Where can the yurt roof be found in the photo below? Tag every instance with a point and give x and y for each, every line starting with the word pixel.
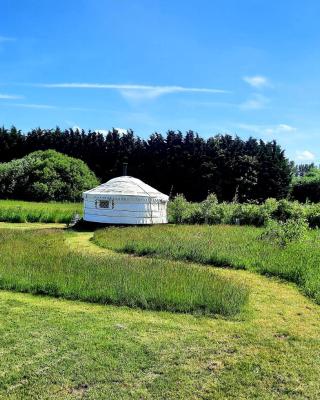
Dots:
pixel 126 186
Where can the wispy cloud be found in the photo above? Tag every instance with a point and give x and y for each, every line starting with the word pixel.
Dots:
pixel 46 106
pixel 255 102
pixel 257 81
pixel 10 96
pixel 135 92
pixel 6 39
pixel 267 130
pixel 30 105
pixel 281 128
pixel 305 155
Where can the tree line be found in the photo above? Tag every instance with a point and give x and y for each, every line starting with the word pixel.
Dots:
pixel 230 167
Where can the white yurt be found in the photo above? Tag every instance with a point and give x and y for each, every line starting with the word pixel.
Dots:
pixel 125 200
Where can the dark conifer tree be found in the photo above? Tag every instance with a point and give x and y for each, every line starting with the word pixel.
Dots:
pixel 249 170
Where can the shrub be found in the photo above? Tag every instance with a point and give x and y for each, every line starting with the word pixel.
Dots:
pixel 286 209
pixel 250 214
pixel 282 233
pixel 307 187
pixel 208 207
pixel 211 212
pixel 312 212
pixel 179 209
pixel 45 176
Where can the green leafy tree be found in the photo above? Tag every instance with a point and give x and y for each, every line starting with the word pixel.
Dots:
pixel 45 176
pixel 307 187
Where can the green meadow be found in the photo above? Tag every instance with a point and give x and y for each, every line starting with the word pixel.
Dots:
pixel 40 262
pixel 234 334
pixel 225 246
pixel 27 211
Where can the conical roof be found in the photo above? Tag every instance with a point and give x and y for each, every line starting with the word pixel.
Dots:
pixel 127 186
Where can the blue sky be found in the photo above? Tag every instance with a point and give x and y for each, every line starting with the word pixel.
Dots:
pixel 242 67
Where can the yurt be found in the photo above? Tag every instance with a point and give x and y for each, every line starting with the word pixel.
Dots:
pixel 125 200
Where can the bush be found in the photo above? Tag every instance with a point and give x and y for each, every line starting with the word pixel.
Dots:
pixel 307 187
pixel 250 214
pixel 282 233
pixel 312 212
pixel 45 176
pixel 286 209
pixel 211 212
pixel 208 208
pixel 179 209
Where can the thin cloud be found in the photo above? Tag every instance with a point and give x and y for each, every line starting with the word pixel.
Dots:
pixel 30 105
pixel 256 102
pixel 48 106
pixel 257 81
pixel 305 155
pixel 134 92
pixel 4 39
pixel 10 96
pixel 281 128
pixel 267 130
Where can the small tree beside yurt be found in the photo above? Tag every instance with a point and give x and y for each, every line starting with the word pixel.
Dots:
pixel 45 176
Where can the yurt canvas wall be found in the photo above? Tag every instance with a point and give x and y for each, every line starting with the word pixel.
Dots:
pixel 125 200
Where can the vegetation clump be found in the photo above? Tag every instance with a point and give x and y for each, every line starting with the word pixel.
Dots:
pixel 45 176
pixel 283 233
pixel 307 187
pixel 211 212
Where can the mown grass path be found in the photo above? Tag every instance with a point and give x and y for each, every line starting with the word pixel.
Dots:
pixel 273 302
pixel 58 349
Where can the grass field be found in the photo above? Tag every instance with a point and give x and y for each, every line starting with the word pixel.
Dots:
pixel 63 349
pixel 58 349
pixel 25 211
pixel 222 245
pixel 40 262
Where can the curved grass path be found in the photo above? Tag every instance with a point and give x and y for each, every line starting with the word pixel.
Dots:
pixel 57 349
pixel 272 302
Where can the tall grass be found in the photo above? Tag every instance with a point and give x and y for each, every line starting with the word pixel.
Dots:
pixel 40 262
pixel 222 245
pixel 23 211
